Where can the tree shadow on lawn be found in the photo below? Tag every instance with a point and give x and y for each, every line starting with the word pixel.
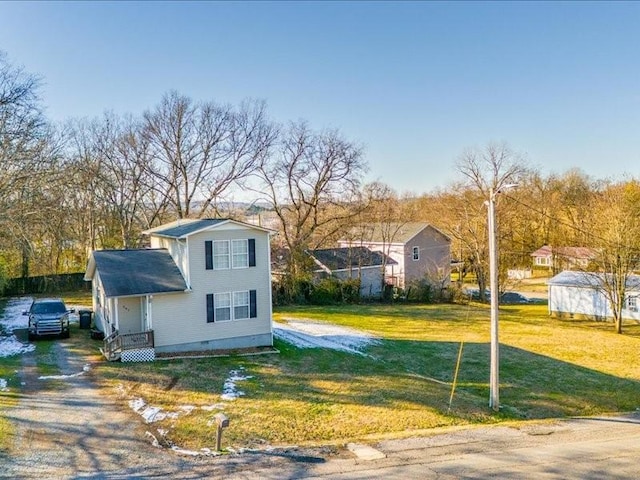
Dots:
pixel 320 394
pixel 420 373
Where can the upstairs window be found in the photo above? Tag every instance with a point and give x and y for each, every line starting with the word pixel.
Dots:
pixel 225 254
pixel 416 253
pixel 240 253
pixel 543 261
pixel 221 259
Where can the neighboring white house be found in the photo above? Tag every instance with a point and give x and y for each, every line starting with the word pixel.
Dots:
pixel 580 295
pixel 419 250
pixel 353 262
pixel 204 285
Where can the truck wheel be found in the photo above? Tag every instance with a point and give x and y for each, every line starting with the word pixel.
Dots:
pixel 32 337
pixel 66 334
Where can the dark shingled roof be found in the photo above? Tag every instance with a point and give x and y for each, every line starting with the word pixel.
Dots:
pixel 343 258
pixel 188 228
pixel 138 272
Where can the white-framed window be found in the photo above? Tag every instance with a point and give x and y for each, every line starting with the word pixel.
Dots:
pixel 543 261
pixel 240 305
pixel 632 303
pixel 416 253
pixel 221 260
pixel 240 253
pixel 227 306
pixel 222 302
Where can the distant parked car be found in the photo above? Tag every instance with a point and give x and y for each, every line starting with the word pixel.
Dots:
pixel 505 298
pixel 514 297
pixel 474 293
pixel 48 316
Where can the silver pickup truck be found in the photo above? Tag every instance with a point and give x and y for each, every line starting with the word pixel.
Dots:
pixel 48 316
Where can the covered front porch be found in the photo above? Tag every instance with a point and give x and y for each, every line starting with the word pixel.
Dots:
pixel 128 329
pixel 129 347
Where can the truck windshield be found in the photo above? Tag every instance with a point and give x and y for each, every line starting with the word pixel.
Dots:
pixel 49 307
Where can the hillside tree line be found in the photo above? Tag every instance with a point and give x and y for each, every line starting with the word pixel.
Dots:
pixel 88 184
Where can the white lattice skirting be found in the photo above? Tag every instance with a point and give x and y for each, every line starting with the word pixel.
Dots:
pixel 142 355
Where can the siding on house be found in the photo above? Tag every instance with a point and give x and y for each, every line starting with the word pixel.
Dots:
pixel 397 241
pixel 174 302
pixel 178 251
pixel 182 320
pixel 576 294
pixel 434 256
pixel 370 279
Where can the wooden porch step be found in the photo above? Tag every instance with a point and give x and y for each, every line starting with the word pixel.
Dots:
pixel 113 358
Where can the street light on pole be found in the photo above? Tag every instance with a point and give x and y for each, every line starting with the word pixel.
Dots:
pixel 494 380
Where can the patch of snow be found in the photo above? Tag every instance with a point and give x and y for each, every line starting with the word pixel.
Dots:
pixel 85 369
pixel 10 346
pixel 230 391
pixel 12 317
pixel 182 451
pixel 187 408
pixel 311 334
pixel 215 406
pixel 3 385
pixel 154 440
pixel 137 404
pixel 10 320
pixel 60 377
pixel 153 414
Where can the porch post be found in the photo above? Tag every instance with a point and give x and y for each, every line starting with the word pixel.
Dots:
pixel 149 313
pixel 115 313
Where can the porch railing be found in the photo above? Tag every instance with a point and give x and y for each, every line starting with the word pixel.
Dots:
pixel 115 343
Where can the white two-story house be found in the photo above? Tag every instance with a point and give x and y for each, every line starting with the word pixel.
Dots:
pixel 203 285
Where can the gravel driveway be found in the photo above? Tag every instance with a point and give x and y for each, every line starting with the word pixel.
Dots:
pixel 65 430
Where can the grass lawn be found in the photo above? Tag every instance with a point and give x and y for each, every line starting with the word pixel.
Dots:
pixel 549 368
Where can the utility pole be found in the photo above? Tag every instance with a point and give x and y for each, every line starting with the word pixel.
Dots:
pixel 494 380
pixel 494 376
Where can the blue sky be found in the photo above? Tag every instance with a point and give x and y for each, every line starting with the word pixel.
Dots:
pixel 416 83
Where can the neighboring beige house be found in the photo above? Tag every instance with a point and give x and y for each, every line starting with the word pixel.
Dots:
pixel 419 250
pixel 203 285
pixel 353 262
pixel 563 258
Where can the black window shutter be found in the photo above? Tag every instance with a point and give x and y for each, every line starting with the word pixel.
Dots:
pixel 252 252
pixel 253 307
pixel 210 309
pixel 208 254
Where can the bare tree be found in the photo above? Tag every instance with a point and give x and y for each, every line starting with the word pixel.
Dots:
pixel 199 150
pixel 27 158
pixel 615 232
pixel 486 171
pixel 311 182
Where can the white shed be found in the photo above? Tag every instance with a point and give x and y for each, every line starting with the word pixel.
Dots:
pixel 576 294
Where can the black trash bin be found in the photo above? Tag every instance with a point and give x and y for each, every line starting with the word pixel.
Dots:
pixel 85 318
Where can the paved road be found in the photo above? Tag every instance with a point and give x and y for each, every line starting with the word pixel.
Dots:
pixel 585 449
